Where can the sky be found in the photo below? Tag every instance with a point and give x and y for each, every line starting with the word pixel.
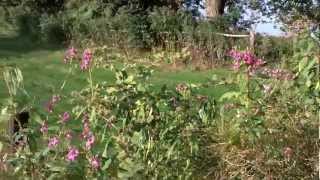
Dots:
pixel 269 28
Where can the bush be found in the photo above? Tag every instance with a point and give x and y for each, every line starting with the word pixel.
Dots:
pixel 274 49
pixel 28 25
pixel 52 31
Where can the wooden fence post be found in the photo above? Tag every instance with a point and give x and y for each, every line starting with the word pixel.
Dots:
pixel 252 40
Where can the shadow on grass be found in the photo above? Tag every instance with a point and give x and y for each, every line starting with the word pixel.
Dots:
pixel 16 46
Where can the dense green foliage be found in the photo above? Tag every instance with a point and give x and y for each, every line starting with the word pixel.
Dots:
pixel 117 106
pixel 139 24
pixel 266 127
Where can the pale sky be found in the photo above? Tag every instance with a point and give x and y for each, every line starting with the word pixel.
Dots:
pixel 269 29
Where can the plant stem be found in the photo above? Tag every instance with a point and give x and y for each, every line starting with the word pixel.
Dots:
pixel 91 83
pixel 66 79
pixel 248 85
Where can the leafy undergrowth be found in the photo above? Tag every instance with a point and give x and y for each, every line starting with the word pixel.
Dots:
pixel 110 120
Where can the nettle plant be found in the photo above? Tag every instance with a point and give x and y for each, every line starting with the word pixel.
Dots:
pixel 126 129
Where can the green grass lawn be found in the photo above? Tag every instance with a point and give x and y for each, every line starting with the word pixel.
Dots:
pixel 44 71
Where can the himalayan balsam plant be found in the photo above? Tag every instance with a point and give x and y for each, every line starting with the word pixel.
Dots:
pixel 117 130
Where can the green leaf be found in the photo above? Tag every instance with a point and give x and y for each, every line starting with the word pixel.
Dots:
pixel 93 117
pixel 203 116
pixel 129 80
pixel 170 151
pixel 4 115
pixel 33 144
pixel 106 165
pixel 56 167
pixel 308 83
pixel 111 90
pixel 302 64
pixel 130 168
pixel 53 176
pixel 54 128
pixel 37 118
pixel 137 138
pixel 45 152
pixel 230 95
pixel 105 151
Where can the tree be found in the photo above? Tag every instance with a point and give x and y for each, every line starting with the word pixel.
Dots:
pixel 291 10
pixel 215 8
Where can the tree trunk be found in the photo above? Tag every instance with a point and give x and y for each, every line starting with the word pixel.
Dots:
pixel 215 8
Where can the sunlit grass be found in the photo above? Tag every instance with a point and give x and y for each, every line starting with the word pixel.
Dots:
pixel 44 73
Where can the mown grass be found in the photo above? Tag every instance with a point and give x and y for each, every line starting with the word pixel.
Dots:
pixel 44 71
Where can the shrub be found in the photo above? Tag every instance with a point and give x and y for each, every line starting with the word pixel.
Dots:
pixel 52 31
pixel 28 24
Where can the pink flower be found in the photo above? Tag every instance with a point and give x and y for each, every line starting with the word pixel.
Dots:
pixel 236 65
pixel 95 162
pixel 85 118
pixel 65 117
pixel 90 141
pixel 53 101
pixel 86 59
pixel 49 107
pixel 86 128
pixel 44 127
pixel 278 74
pixel 68 135
pixel 247 58
pixel 53 142
pixel 267 88
pixel 73 153
pixel 235 54
pixel 70 54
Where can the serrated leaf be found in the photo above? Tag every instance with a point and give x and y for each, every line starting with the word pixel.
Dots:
pixel 106 165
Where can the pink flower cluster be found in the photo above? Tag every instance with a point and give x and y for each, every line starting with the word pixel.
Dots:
pixel 65 117
pixel 68 135
pixel 73 153
pixel 53 142
pixel 44 127
pixel 277 74
pixel 95 162
pixel 70 54
pixel 86 59
pixel 50 105
pixel 87 134
pixel 90 141
pixel 247 58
